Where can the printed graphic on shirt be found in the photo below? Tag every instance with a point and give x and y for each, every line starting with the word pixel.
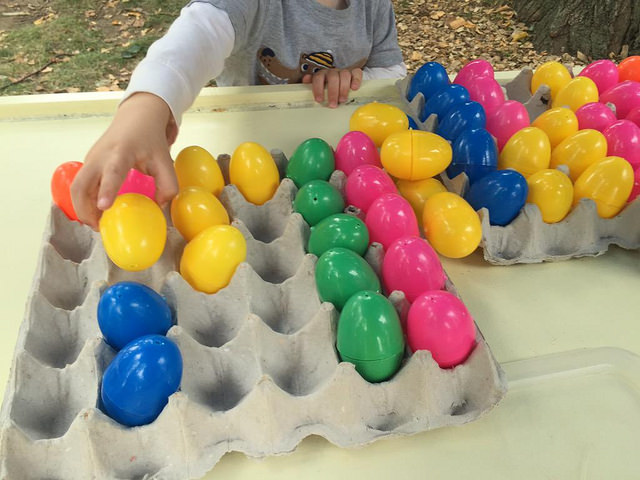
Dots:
pixel 271 71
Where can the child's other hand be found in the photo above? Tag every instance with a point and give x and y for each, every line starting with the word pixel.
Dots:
pixel 139 136
pixel 337 82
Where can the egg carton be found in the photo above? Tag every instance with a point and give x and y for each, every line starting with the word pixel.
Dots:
pixel 528 239
pixel 261 371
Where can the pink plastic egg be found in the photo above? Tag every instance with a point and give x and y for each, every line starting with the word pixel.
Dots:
pixel 390 217
pixel 623 140
pixel 365 184
pixel 636 186
pixel 473 70
pixel 625 96
pixel 137 182
pixel 438 321
pixel 604 74
pixel 412 266
pixel 634 116
pixel 355 149
pixel 506 120
pixel 487 92
pixel 595 116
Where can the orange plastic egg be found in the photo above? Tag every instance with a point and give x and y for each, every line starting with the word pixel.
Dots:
pixel 578 151
pixel 417 192
pixel 415 155
pixel 527 151
pixel 253 170
pixel 552 191
pixel 195 209
pixel 576 93
pixel 558 123
pixel 553 74
pixel 196 167
pixel 378 121
pixel 608 182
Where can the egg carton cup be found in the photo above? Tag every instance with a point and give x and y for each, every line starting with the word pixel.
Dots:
pixel 260 366
pixel 528 239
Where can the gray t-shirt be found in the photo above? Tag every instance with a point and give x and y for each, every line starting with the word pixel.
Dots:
pixel 279 41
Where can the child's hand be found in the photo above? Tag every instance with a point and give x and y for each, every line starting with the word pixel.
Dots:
pixel 139 136
pixel 338 83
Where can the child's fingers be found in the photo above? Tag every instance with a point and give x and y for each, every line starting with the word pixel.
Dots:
pixel 164 174
pixel 333 87
pixel 114 173
pixel 344 86
pixel 317 83
pixel 84 195
pixel 356 78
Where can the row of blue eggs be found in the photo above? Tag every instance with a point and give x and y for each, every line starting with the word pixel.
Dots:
pixel 147 369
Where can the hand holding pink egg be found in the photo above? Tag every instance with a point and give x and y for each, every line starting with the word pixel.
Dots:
pixel 137 182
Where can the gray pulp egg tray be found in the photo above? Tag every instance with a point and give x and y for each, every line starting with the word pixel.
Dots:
pixel 528 239
pixel 261 371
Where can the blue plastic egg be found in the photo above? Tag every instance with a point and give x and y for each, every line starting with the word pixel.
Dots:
pixel 444 100
pixel 503 193
pixel 468 115
pixel 475 153
pixel 137 384
pixel 429 78
pixel 130 310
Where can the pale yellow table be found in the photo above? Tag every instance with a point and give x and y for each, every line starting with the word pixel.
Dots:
pixel 572 415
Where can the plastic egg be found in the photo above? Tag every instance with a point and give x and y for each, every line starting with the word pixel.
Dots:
pixel 416 192
pixel 552 191
pixel 209 260
pixel 629 69
pixel 553 74
pixel 623 140
pixel 507 119
pixel 378 121
pixel 317 200
pixel 130 310
pixel 390 217
pixel 576 93
pixel 604 74
pixel 475 153
pixel 473 70
pixel 137 384
pixel 633 116
pixel 415 155
pixel 253 170
pixel 579 151
pixel 487 92
pixel 313 159
pixel 370 336
pixel 635 191
pixel 503 193
pixel 469 115
pixel 339 230
pixel 608 183
pixel 341 273
pixel 412 266
pixel 595 116
pixel 451 225
pixel 625 96
pixel 412 123
pixel 137 182
pixel 196 167
pixel 365 184
pixel 527 151
pixel 444 100
pixel 61 181
pixel 133 231
pixel 439 322
pixel 195 209
pixel 355 149
pixel 558 123
pixel 428 79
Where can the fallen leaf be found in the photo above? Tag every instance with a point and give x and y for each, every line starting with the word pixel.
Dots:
pixel 518 35
pixel 437 15
pixel 457 23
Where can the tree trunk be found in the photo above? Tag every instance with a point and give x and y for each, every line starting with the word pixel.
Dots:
pixel 596 28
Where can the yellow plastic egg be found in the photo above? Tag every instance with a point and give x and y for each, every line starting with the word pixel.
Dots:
pixel 253 170
pixel 415 155
pixel 576 93
pixel 378 121
pixel 451 225
pixel 608 182
pixel 133 231
pixel 579 151
pixel 527 151
pixel 558 123
pixel 552 191
pixel 553 74
pixel 210 259
pixel 195 209
pixel 196 167
pixel 417 192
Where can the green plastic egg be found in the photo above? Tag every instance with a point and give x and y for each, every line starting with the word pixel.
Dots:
pixel 339 230
pixel 312 160
pixel 317 200
pixel 340 273
pixel 370 336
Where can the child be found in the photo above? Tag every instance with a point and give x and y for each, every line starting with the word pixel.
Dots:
pixel 329 44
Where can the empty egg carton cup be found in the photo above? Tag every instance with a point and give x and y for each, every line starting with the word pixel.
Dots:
pixel 261 371
pixel 528 239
